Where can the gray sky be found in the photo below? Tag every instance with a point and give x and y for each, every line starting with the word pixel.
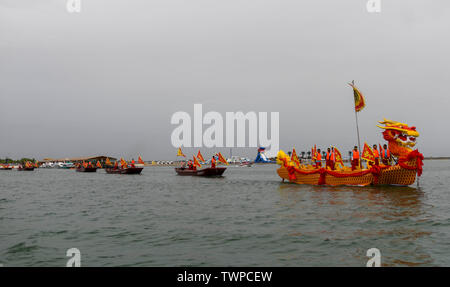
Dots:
pixel 108 79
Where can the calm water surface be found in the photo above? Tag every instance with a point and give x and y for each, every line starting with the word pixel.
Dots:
pixel 247 218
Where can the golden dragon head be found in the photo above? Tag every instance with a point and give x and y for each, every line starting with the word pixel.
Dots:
pixel 399 133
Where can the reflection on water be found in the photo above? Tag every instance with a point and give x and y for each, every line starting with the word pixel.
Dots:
pixel 354 213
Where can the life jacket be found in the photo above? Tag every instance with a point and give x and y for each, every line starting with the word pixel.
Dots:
pixel 318 156
pixel 328 155
pixel 355 154
pixel 375 153
pixel 333 156
pixel 386 153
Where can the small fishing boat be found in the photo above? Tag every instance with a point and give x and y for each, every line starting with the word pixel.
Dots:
pixel 217 171
pixel 25 168
pixel 86 169
pixel 128 170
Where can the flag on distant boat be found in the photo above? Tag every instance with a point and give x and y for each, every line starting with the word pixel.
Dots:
pixel 196 163
pixel 294 157
pixel 99 165
pixel 180 153
pixel 123 163
pixel 200 156
pixel 367 153
pixel 222 159
pixel 360 103
pixel 140 160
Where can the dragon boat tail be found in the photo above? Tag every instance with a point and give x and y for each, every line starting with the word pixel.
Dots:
pixel 400 138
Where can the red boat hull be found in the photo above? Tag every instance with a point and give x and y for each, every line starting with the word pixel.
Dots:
pixel 86 169
pixel 26 168
pixel 218 171
pixel 130 170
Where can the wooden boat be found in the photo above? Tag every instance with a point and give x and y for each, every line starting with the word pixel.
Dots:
pixel 5 168
pixel 128 170
pixel 218 171
pixel 86 169
pixel 25 168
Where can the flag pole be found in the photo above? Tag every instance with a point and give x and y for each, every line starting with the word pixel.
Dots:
pixel 357 133
pixel 357 126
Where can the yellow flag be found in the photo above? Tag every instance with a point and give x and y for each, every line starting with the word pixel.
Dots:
pixel 180 153
pixel 360 103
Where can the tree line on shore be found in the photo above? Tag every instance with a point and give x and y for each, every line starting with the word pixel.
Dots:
pixel 22 160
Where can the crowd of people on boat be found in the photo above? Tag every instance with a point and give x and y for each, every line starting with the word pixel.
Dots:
pixel 380 156
pixel 190 165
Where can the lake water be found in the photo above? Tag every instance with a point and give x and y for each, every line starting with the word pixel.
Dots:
pixel 246 218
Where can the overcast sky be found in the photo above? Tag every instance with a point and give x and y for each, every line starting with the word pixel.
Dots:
pixel 107 80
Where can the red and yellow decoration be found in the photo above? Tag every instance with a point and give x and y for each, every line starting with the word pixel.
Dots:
pixel 367 153
pixel 294 157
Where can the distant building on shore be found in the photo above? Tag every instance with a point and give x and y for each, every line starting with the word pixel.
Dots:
pixel 100 158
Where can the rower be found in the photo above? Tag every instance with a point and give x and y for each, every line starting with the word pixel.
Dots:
pixel 328 159
pixel 386 155
pixel 355 158
pixel 332 158
pixel 376 155
pixel 190 165
pixel 318 159
pixel 213 162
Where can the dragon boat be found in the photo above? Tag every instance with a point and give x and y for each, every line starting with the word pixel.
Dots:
pixel 401 139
